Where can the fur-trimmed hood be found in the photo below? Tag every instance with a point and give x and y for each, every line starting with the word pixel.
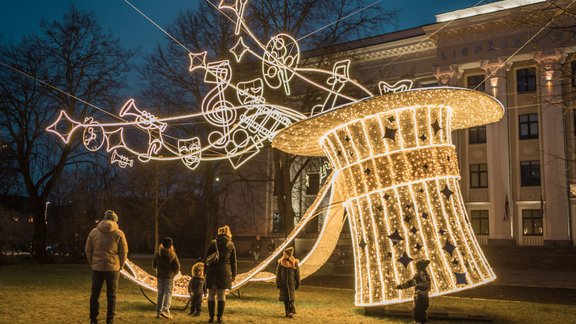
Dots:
pixel 289 262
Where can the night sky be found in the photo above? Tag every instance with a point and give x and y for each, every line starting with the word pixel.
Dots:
pixel 18 18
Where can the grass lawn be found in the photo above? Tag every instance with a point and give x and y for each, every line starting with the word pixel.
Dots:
pixel 60 293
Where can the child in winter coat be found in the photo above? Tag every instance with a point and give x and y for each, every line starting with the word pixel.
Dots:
pixel 421 282
pixel 288 280
pixel 197 288
pixel 167 267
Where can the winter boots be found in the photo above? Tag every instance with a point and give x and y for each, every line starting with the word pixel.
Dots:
pixel 211 306
pixel 221 305
pixel 289 309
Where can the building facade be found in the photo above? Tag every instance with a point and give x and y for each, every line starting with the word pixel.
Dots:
pixel 516 173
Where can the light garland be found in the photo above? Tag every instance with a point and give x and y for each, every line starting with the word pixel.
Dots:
pixel 399 174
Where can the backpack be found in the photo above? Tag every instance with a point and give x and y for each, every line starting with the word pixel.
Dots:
pixel 214 257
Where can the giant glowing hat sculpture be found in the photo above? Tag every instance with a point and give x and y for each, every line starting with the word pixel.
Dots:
pixel 394 167
pixel 397 165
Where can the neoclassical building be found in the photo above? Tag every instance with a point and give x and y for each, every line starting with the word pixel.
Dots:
pixel 516 173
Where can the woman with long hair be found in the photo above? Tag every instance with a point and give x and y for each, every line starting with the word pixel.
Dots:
pixel 221 271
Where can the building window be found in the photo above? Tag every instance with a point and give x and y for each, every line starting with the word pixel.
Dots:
pixel 532 222
pixel 480 222
pixel 312 183
pixel 429 85
pixel 530 173
pixel 477 135
pixel 528 126
pixel 479 175
pixel 277 223
pixel 525 80
pixel 476 82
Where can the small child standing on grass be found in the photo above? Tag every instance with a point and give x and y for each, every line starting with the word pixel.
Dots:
pixel 197 288
pixel 421 282
pixel 288 280
pixel 167 267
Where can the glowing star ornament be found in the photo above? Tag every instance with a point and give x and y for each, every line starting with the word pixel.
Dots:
pixel 400 185
pixel 239 49
pixel 64 127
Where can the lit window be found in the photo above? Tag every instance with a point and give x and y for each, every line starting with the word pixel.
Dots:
pixel 528 126
pixel 312 183
pixel 526 80
pixel 477 135
pixel 530 173
pixel 532 224
pixel 476 82
pixel 480 222
pixel 479 175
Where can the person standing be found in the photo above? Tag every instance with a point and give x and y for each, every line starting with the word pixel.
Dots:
pixel 167 267
pixel 221 273
pixel 421 282
pixel 255 249
pixel 288 280
pixel 197 289
pixel 106 251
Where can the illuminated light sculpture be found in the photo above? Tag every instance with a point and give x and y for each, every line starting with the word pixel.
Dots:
pixel 394 168
pixel 397 166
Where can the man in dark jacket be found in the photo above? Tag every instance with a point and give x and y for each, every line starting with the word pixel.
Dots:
pixel 220 275
pixel 106 251
pixel 421 282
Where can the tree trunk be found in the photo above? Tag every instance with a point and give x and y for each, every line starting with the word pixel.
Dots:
pixel 210 204
pixel 284 190
pixel 40 233
pixel 156 209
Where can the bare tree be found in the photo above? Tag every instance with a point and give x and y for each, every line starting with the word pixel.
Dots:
pixel 318 23
pixel 75 56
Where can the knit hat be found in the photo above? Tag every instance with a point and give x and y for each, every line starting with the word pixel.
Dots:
pixel 111 215
pixel 289 251
pixel 422 264
pixel 225 230
pixel 167 242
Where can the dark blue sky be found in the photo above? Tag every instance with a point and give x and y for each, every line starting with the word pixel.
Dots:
pixel 18 17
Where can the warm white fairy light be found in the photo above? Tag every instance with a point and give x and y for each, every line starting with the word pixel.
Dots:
pixel 381 149
pixel 400 172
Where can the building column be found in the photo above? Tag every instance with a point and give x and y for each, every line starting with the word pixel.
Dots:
pixel 498 158
pixel 554 165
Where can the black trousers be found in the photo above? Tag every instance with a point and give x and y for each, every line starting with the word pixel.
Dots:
pixel 196 302
pixel 421 302
pixel 98 279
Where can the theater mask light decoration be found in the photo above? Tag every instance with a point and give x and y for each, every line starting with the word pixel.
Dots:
pixel 394 171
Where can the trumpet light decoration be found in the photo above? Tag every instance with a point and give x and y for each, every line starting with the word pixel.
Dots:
pixel 398 170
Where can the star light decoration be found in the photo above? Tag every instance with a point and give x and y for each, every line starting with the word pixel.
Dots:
pixel 391 158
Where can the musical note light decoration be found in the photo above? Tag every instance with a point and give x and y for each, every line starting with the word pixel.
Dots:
pixel 394 167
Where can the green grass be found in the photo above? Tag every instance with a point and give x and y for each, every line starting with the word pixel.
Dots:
pixel 60 293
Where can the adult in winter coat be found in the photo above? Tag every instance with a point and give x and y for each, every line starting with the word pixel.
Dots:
pixel 167 267
pixel 288 280
pixel 421 283
pixel 221 274
pixel 106 251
